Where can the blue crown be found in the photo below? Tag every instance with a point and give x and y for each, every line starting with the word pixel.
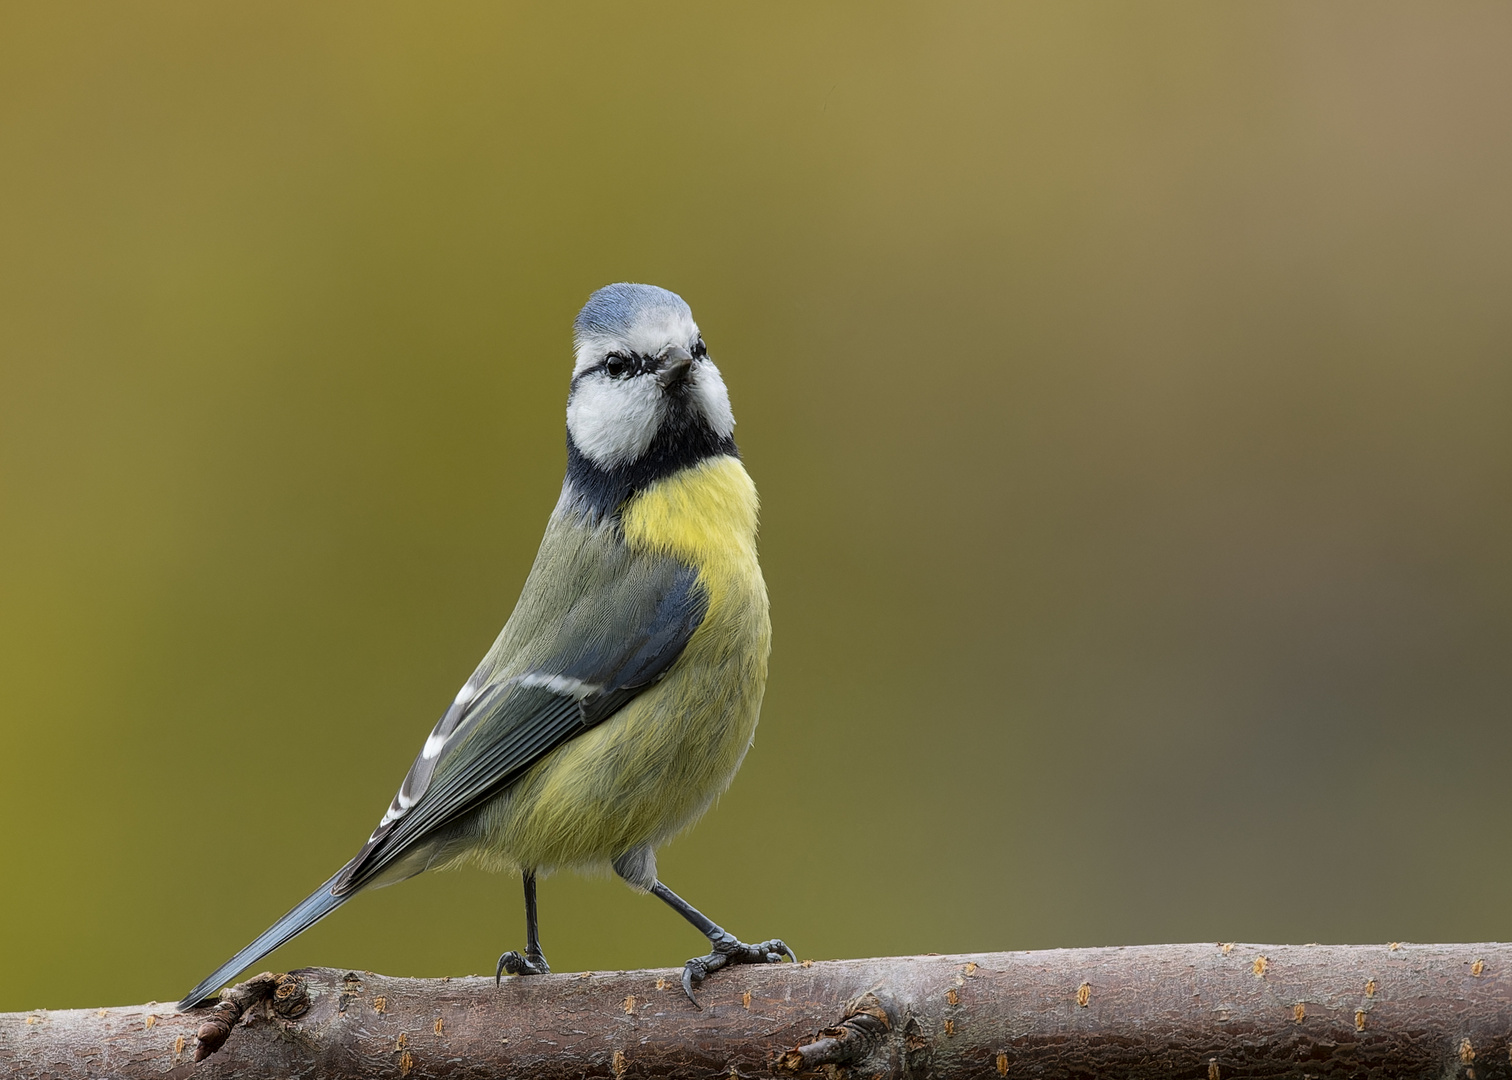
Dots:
pixel 614 309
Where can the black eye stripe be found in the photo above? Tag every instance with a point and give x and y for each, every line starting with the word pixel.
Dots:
pixel 617 366
pixel 631 364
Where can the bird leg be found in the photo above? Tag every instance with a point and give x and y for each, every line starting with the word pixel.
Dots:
pixel 533 962
pixel 727 948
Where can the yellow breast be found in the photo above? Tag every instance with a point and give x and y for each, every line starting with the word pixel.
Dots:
pixel 704 516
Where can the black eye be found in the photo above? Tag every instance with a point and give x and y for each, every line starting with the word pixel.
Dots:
pixel 617 366
pixel 699 350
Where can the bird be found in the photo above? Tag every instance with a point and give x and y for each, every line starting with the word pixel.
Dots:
pixel 623 692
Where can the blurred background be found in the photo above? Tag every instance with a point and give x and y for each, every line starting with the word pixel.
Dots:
pixel 1128 388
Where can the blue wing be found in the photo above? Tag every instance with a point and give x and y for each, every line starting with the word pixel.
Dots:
pixel 558 669
pixel 603 659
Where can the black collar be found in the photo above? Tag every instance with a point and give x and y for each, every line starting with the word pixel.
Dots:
pixel 681 441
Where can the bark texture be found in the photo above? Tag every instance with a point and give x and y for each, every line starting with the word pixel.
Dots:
pixel 1204 1012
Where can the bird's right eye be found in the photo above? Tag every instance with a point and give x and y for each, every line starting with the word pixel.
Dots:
pixel 617 366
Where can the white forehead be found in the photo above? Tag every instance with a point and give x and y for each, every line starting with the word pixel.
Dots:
pixel 631 318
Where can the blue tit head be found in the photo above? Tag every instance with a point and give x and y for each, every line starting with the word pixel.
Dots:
pixel 646 398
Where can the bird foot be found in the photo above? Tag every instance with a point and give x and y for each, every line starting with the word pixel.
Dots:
pixel 728 949
pixel 531 963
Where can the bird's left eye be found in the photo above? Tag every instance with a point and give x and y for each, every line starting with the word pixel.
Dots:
pixel 617 366
pixel 699 350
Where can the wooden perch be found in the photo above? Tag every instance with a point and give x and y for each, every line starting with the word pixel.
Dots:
pixel 1205 1012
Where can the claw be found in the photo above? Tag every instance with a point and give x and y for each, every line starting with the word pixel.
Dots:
pixel 728 949
pixel 515 964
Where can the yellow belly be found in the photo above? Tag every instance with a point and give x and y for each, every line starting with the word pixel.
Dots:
pixel 655 766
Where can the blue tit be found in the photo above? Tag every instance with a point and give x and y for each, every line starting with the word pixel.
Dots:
pixel 622 694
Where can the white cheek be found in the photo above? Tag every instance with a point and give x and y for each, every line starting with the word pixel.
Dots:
pixel 712 399
pixel 613 421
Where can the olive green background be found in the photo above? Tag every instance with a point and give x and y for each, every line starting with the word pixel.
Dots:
pixel 1128 387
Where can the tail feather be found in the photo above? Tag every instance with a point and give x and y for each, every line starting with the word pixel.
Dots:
pixel 305 914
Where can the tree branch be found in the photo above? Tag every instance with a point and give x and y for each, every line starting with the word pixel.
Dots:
pixel 1205 1012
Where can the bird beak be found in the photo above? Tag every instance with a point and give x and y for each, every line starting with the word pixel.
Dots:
pixel 675 364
